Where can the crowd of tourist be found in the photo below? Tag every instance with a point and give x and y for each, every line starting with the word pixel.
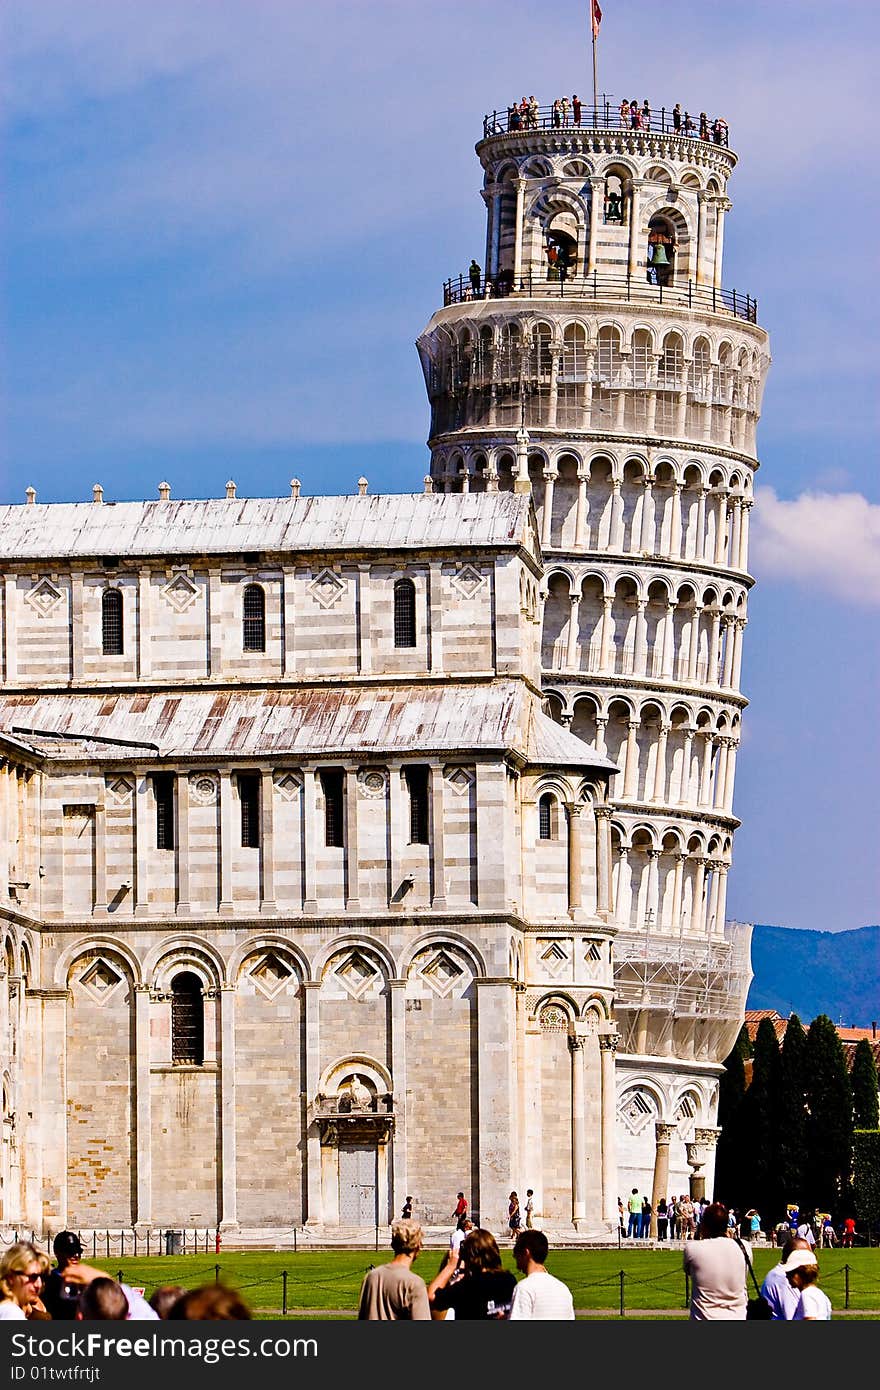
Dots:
pixel 568 112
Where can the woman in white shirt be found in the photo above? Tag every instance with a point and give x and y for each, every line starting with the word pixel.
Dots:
pixel 22 1269
pixel 802 1272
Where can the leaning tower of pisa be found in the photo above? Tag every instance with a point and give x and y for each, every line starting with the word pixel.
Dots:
pixel 595 357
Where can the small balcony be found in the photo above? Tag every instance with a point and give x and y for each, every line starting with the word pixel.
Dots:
pixel 631 289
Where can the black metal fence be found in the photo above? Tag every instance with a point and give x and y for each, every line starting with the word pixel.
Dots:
pixel 606 115
pixel 688 295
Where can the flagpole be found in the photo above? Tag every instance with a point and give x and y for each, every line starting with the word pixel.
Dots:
pixel 595 85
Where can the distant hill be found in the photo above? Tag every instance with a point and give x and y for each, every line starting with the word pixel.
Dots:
pixel 817 972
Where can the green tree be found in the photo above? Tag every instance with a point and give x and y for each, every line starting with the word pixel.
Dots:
pixel 731 1155
pixel 761 1122
pixel 792 1117
pixel 866 1110
pixel 829 1130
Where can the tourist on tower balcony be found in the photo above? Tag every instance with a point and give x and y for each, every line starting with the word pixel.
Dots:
pixel 576 109
pixel 624 113
pixel 646 114
pixel 676 117
pixel 704 126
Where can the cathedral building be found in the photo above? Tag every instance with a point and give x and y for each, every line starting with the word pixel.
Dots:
pixel 358 847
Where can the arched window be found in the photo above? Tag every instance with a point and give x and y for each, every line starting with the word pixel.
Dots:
pixel 661 252
pixel 187 1020
pixel 111 622
pixel 404 613
pixel 547 817
pixel 253 623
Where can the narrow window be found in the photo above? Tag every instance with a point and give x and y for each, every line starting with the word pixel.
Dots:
pixel 404 613
pixel 417 786
pixel 163 792
pixel 545 817
pixel 187 1020
pixel 334 809
pixel 253 624
pixel 249 798
pixel 111 622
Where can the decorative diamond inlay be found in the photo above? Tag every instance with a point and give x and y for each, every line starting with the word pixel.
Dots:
pixel 119 790
pixel 637 1110
pixel 554 957
pixel 44 597
pixel 467 581
pixel 287 784
pixel 459 779
pixel 100 980
pixel 442 973
pixel 357 974
pixel 327 588
pixel 180 592
pixel 270 974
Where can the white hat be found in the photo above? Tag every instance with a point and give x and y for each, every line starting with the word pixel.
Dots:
pixel 800 1259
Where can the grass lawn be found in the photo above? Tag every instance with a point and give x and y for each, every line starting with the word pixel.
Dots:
pixel 327 1282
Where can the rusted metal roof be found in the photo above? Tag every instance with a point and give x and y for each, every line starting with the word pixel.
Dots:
pixel 395 521
pixel 386 719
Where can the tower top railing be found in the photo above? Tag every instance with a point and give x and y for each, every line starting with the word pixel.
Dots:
pixel 606 115
pixel 462 289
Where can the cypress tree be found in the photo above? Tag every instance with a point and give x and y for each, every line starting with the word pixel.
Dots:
pixel 792 1116
pixel 828 1159
pixel 761 1110
pixel 866 1110
pixel 730 1167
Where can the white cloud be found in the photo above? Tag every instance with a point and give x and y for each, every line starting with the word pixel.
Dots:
pixel 821 540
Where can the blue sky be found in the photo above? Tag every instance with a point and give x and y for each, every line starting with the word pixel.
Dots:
pixel 225 223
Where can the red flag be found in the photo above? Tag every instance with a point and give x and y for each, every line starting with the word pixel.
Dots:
pixel 596 16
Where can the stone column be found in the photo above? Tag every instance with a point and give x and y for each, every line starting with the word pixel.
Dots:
pixel 314 1202
pixel 288 620
pixel 722 205
pixel 183 907
pixel 267 841
pixel 697 1153
pixel 694 644
pixel 697 908
pixel 616 537
pixel 99 906
pixel 76 625
pixel 706 769
pixel 215 623
pixel 623 896
pixel 667 661
pixel 578 1131
pixel 640 651
pixel 571 660
pixel 553 397
pixel 601 726
pixel 652 897
pixel 608 1043
pixel 729 774
pixel 675 529
pixel 435 617
pixel 399 1171
pixel 702 198
pixel 438 845
pixel 700 547
pixel 550 476
pixel 660 1185
pixel 714 645
pixel 677 886
pixel 635 218
pixel 518 233
pixel 685 789
pixel 737 655
pixel 735 531
pixel 573 811
pixel 720 775
pixel 604 905
pixel 310 831
pixel 143 624
pixel 228 1159
pixel 605 639
pixel 712 906
pixel 659 792
pixel 597 203
pixel 730 642
pixel 720 526
pixel 721 913
pixel 581 511
pixel 646 538
pixel 742 562
pixel 352 857
pixel 143 1119
pixel 631 766
pixel 225 842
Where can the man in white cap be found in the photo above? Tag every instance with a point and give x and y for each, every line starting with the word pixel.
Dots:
pixel 780 1294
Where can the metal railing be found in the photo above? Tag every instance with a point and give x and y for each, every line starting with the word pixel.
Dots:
pixel 463 289
pixel 604 116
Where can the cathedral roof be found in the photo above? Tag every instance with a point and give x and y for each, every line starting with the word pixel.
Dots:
pixel 394 521
pixel 496 716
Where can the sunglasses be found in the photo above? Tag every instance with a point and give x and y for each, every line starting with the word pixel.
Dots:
pixel 29 1278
